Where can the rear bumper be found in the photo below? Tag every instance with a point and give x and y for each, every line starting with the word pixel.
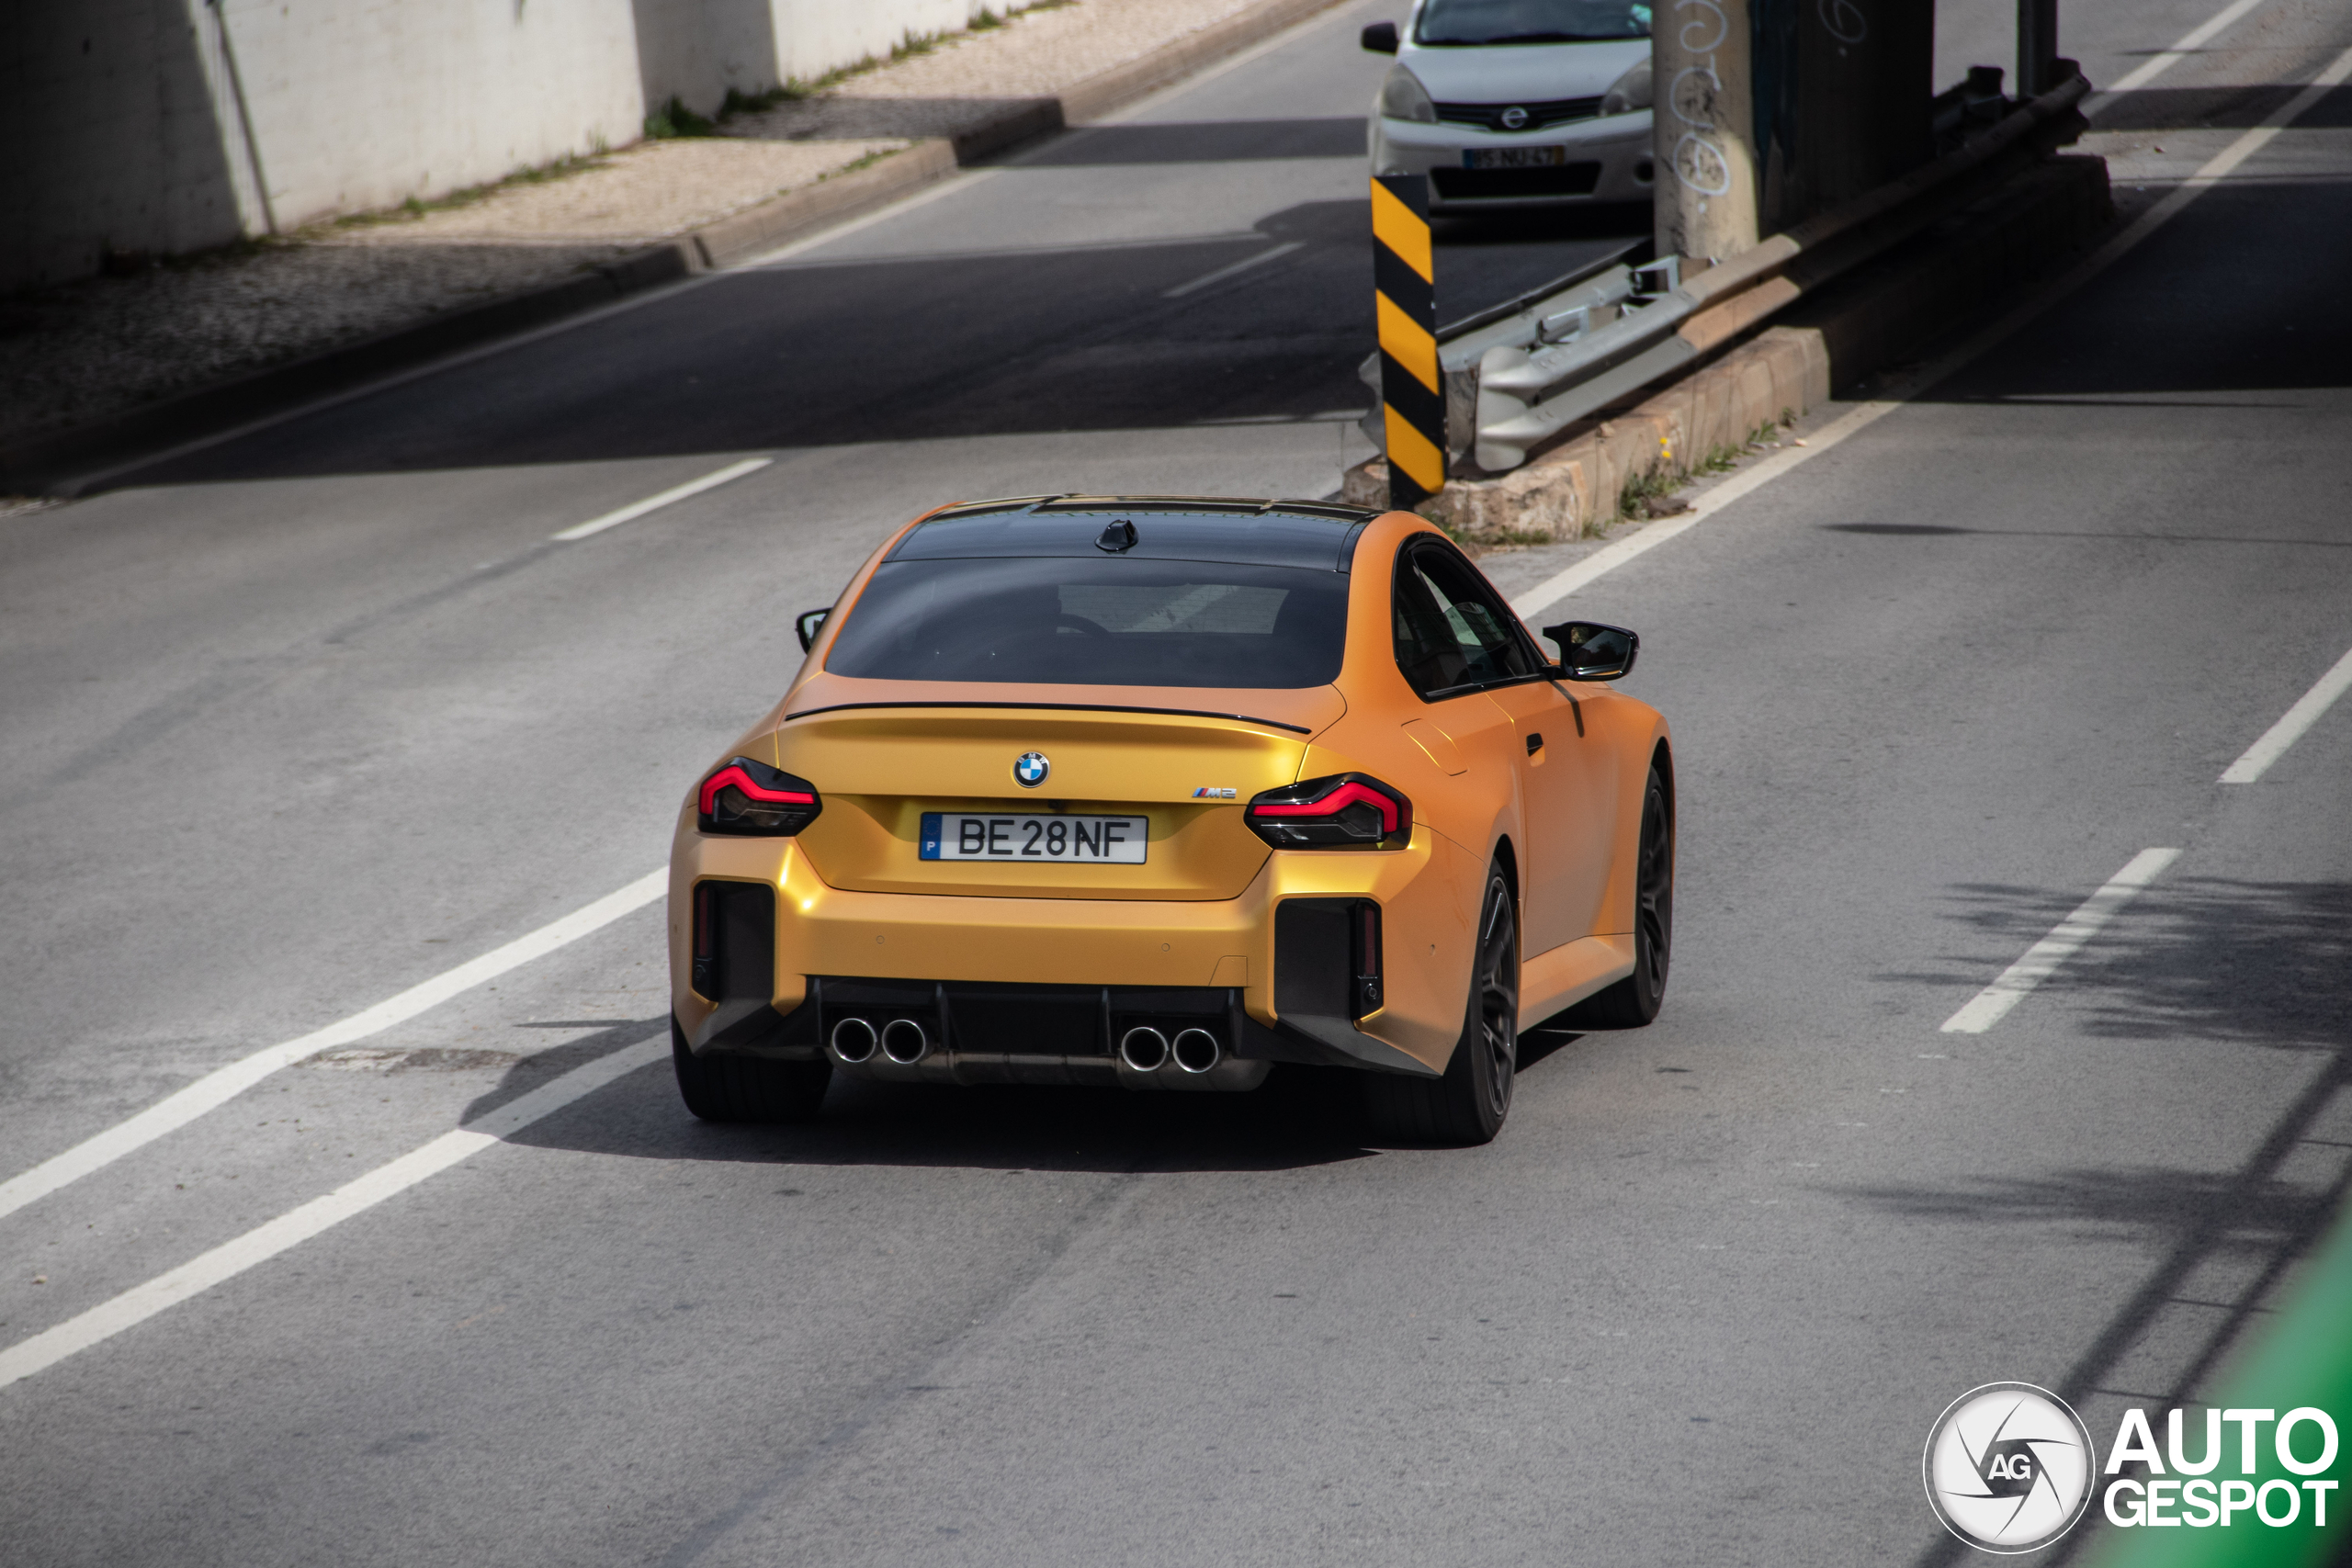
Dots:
pixel 920 955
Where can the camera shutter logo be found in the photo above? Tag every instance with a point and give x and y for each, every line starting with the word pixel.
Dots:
pixel 1031 767
pixel 2009 1467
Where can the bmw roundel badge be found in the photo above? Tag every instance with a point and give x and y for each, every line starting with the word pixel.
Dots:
pixel 1031 767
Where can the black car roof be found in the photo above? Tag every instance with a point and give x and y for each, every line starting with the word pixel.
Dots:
pixel 1312 534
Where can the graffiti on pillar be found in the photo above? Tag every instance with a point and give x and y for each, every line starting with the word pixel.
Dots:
pixel 1699 160
pixel 1845 21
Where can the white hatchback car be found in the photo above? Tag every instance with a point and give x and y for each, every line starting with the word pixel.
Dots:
pixel 1516 103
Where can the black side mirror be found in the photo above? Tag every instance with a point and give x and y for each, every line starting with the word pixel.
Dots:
pixel 1380 37
pixel 1590 651
pixel 808 622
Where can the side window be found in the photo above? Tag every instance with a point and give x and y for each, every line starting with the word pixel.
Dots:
pixel 1450 633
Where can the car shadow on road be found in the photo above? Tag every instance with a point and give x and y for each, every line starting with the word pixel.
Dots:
pixel 1297 1119
pixel 1301 1117
pixel 2228 966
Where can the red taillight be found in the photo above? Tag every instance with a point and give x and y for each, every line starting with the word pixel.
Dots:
pixel 750 798
pixel 1346 811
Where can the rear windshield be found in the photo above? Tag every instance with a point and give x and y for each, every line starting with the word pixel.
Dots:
pixel 1061 620
pixel 1529 21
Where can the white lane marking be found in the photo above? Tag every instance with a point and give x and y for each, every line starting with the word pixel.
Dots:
pixel 1244 265
pixel 1989 1006
pixel 223 1084
pixel 2292 725
pixel 260 1244
pixel 636 509
pixel 1702 506
pixel 2215 169
pixel 2158 64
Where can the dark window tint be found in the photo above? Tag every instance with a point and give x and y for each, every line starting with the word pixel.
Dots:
pixel 1529 21
pixel 1060 620
pixel 1449 631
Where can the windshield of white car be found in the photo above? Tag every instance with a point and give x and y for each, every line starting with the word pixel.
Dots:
pixel 1459 22
pixel 1096 621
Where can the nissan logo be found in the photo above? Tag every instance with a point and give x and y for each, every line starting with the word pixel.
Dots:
pixel 1514 118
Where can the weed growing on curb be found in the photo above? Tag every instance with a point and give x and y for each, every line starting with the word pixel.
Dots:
pixel 673 119
pixel 1650 492
pixel 909 45
pixel 855 165
pixel 417 207
pixel 751 103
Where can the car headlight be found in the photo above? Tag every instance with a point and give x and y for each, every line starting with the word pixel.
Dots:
pixel 748 797
pixel 1629 91
pixel 1402 97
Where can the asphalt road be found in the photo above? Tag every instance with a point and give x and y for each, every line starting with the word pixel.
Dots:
pixel 303 719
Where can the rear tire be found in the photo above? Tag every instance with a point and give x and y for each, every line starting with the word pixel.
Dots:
pixel 1633 1001
pixel 1469 1103
pixel 747 1089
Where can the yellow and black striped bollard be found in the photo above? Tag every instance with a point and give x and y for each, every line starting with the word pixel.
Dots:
pixel 1412 389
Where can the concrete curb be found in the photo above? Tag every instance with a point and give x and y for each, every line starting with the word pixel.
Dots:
pixel 1862 324
pixel 51 463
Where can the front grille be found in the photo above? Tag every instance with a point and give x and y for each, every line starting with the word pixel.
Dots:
pixel 1497 185
pixel 1489 117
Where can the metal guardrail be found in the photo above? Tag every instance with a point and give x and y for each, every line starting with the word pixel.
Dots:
pixel 1518 377
pixel 1539 315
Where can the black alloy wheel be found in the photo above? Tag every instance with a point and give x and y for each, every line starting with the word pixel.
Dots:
pixel 1469 1103
pixel 1634 1000
pixel 747 1089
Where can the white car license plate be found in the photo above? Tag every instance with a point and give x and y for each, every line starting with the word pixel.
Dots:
pixel 1514 157
pixel 970 835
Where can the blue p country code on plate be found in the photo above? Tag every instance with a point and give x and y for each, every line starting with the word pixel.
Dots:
pixel 971 835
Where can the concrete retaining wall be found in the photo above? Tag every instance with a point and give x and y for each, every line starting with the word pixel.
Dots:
pixel 1874 318
pixel 169 125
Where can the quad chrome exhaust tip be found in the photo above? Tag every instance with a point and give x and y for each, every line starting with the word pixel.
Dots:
pixel 905 1041
pixel 855 1041
pixel 1143 1048
pixel 1196 1051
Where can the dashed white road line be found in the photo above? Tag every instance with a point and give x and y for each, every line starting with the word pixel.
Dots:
pixel 260 1244
pixel 1244 265
pixel 2158 64
pixel 636 509
pixel 2292 725
pixel 224 1083
pixel 1989 1006
pixel 2214 170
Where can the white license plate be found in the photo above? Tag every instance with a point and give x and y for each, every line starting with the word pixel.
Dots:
pixel 1514 157
pixel 971 835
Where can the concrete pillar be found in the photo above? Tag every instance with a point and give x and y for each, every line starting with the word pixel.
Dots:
pixel 1843 91
pixel 2037 46
pixel 1706 129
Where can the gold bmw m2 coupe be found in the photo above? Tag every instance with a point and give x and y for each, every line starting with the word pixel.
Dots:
pixel 1160 792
